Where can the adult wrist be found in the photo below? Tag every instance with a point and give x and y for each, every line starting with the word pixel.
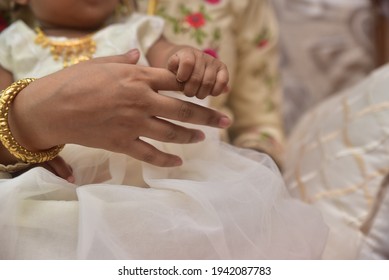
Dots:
pixel 6 137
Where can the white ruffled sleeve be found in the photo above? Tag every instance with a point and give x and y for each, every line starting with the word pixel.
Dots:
pixel 139 31
pixel 149 30
pixel 5 49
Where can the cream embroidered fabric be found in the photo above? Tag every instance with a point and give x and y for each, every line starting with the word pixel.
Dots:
pixel 338 156
pixel 376 243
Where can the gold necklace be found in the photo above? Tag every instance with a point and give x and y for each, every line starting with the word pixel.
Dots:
pixel 152 7
pixel 72 51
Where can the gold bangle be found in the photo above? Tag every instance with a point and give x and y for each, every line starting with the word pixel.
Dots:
pixel 6 137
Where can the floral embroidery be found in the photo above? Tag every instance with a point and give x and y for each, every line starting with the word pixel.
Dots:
pixel 211 52
pixel 264 73
pixel 213 2
pixel 188 21
pixel 213 45
pixel 267 140
pixel 262 40
pixel 194 23
pixel 265 136
pixel 196 20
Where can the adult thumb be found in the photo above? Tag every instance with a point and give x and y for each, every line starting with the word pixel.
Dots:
pixel 133 56
pixel 130 57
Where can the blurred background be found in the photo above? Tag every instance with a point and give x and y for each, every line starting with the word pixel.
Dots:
pixel 326 46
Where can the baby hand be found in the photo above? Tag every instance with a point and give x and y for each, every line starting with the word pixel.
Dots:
pixel 198 73
pixel 60 168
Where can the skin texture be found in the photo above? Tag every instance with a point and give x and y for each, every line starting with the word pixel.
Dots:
pixel 85 115
pixel 113 121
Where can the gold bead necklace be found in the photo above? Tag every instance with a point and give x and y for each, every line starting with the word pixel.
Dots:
pixel 71 51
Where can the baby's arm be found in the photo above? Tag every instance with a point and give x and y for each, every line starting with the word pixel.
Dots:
pixel 57 165
pixel 198 73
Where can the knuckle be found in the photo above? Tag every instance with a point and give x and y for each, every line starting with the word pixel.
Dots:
pixel 171 135
pixel 187 61
pixel 119 143
pixel 195 78
pixel 212 120
pixel 207 85
pixel 222 65
pixel 199 54
pixel 149 157
pixel 143 105
pixel 139 75
pixel 172 63
pixel 185 112
pixel 135 101
pixel 141 71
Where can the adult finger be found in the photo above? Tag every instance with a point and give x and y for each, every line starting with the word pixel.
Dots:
pixel 130 57
pixel 60 168
pixel 145 152
pixel 184 111
pixel 165 131
pixel 160 79
pixel 156 78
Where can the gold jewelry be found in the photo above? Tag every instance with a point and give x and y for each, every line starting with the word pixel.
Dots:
pixel 71 51
pixel 151 7
pixel 6 137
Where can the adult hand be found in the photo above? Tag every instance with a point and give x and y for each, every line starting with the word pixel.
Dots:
pixel 108 103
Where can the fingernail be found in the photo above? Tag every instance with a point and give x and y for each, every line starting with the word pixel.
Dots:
pixel 224 122
pixel 199 136
pixel 177 161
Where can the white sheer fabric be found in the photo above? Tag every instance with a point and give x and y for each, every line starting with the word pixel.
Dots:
pixel 223 203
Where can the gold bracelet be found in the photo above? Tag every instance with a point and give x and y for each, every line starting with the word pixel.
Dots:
pixel 6 137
